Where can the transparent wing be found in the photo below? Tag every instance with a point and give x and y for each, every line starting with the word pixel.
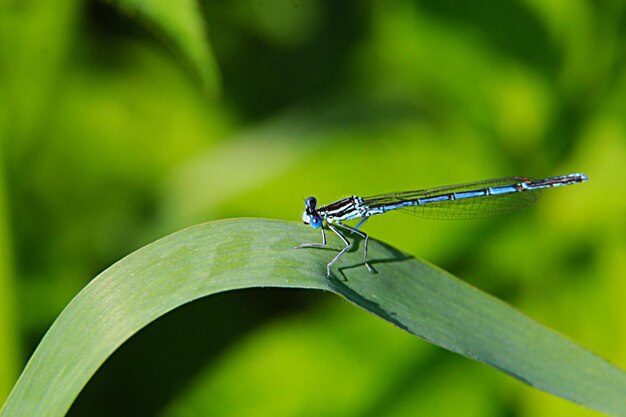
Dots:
pixel 468 207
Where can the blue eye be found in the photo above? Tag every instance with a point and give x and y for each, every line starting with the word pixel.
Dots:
pixel 315 222
pixel 311 202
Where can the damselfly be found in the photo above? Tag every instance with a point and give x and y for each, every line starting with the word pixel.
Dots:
pixel 460 201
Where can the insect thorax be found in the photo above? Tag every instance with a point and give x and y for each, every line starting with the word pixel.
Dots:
pixel 346 209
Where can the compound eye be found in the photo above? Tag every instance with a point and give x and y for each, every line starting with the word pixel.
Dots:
pixel 315 222
pixel 311 202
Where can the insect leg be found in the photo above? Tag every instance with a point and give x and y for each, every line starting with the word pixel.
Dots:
pixel 336 258
pixel 363 220
pixel 315 245
pixel 364 236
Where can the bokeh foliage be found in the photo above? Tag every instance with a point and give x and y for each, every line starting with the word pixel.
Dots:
pixel 119 125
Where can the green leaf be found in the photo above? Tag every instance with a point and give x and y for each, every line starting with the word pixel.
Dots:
pixel 232 254
pixel 180 24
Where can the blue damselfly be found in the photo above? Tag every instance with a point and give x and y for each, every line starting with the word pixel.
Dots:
pixel 460 201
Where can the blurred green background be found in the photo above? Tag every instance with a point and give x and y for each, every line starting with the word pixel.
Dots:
pixel 122 121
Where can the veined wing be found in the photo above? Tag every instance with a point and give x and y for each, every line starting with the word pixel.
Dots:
pixel 465 201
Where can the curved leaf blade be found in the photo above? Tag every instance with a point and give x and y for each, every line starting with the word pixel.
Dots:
pixel 182 26
pixel 234 254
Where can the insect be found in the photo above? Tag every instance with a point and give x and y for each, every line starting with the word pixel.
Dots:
pixel 459 201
